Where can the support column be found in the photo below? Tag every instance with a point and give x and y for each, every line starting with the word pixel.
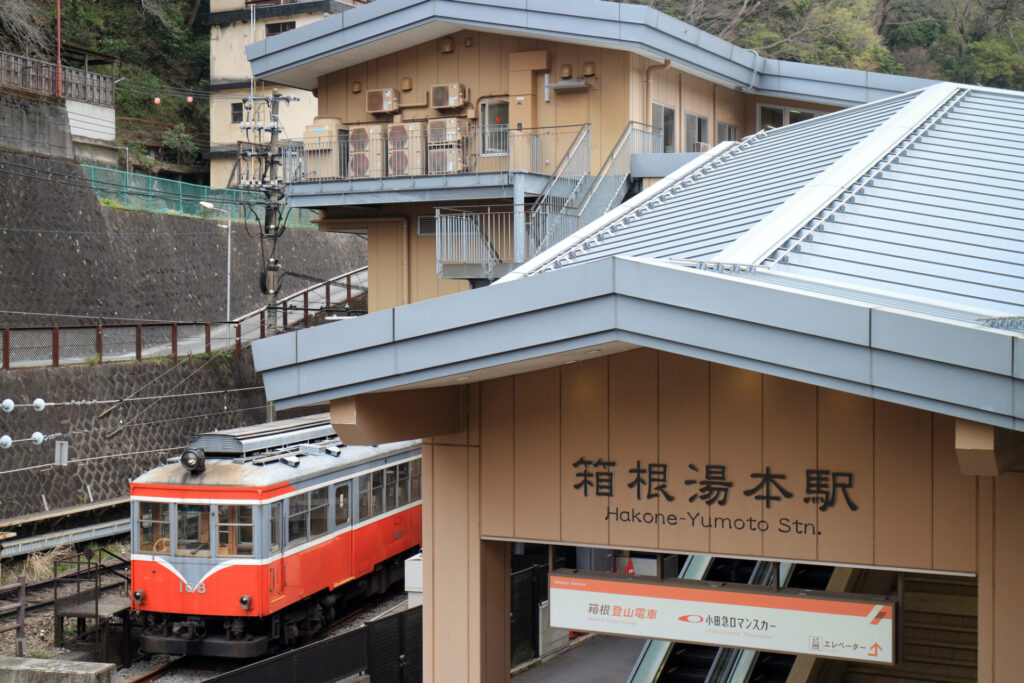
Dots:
pixel 519 217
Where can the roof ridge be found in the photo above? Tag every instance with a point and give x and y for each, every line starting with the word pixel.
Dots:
pixel 779 226
pixel 805 232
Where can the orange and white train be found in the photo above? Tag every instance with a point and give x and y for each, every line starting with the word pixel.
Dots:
pixel 255 537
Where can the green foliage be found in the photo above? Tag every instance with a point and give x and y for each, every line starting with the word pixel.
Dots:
pixel 180 143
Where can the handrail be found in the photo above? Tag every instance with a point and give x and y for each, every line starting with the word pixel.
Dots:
pixel 581 134
pixel 627 133
pixel 307 290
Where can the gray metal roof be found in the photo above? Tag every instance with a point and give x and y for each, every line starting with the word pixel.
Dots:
pixel 733 190
pixel 383 27
pixel 919 197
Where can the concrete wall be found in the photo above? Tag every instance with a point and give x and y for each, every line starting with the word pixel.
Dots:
pixel 92 477
pixel 33 124
pixel 91 120
pixel 64 252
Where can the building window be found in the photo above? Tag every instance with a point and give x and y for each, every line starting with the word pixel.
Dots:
pixel 696 133
pixel 298 519
pixel 155 528
pixel 234 531
pixel 772 116
pixel 275 527
pixel 236 112
pixel 275 29
pixel 318 503
pixel 727 132
pixel 664 118
pixel 494 131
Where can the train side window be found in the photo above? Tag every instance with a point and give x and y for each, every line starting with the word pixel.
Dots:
pixel 275 527
pixel 318 512
pixel 403 484
pixel 364 497
pixel 193 531
pixel 155 528
pixel 415 484
pixel 234 531
pixel 391 488
pixel 377 493
pixel 298 517
pixel 341 504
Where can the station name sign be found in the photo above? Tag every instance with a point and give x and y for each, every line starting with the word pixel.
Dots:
pixel 839 626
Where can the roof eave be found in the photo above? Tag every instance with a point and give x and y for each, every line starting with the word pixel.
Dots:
pixel 610 305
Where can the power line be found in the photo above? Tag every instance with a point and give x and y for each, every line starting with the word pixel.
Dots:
pixel 107 401
pixel 84 460
pixel 108 317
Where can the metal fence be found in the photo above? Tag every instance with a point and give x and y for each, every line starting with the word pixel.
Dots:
pixel 477 235
pixel 95 344
pixel 37 76
pixel 437 147
pixel 162 195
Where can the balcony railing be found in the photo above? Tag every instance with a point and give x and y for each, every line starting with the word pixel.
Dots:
pixel 439 147
pixel 481 236
pixel 41 77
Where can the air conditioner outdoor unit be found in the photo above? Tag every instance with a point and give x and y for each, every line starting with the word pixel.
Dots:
pixel 448 96
pixel 701 147
pixel 407 146
pixel 323 148
pixel 444 132
pixel 381 101
pixel 366 148
pixel 445 160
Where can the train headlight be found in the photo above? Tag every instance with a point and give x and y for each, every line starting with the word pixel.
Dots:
pixel 194 460
pixel 138 596
pixel 245 601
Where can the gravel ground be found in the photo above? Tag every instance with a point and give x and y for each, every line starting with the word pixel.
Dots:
pixel 38 638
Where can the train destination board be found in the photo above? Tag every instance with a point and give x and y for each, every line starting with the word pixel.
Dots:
pixel 835 625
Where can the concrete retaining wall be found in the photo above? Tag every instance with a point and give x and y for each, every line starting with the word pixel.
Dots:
pixel 28 670
pixel 34 124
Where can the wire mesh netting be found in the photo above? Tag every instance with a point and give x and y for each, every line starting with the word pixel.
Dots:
pixel 161 195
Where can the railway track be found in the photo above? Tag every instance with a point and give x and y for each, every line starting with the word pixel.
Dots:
pixel 39 594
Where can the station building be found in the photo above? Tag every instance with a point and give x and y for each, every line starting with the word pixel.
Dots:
pixel 797 351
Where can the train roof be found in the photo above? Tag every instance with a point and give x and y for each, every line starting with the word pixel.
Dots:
pixel 267 455
pixel 262 437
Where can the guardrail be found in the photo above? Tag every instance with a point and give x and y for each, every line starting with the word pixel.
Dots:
pixel 476 235
pixel 37 76
pixel 19 625
pixel 437 147
pixel 96 344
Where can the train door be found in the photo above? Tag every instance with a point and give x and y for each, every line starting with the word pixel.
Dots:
pixel 276 556
pixel 343 527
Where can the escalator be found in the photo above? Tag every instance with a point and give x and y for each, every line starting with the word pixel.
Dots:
pixel 688 662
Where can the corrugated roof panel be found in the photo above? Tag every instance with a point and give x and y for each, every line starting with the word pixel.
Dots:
pixel 699 215
pixel 944 221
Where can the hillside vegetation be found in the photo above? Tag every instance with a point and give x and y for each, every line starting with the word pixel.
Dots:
pixel 968 41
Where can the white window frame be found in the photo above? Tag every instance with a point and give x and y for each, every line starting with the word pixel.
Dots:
pixel 656 120
pixel 485 131
pixel 786 111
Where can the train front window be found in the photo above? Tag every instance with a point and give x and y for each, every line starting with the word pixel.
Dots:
pixel 341 505
pixel 403 484
pixel 364 497
pixel 298 516
pixel 414 468
pixel 193 531
pixel 155 528
pixel 234 531
pixel 275 527
pixel 390 488
pixel 318 512
pixel 377 493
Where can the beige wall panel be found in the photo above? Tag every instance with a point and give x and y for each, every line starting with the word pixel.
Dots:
pixel 986 578
pixel 451 623
pixel 387 71
pixel 537 470
pixel 584 428
pixel 495 624
pixel 491 73
pixel 698 97
pixel 633 442
pixel 497 462
pixel 448 65
pixel 903 490
pixel 429 614
pixel 730 107
pixel 614 105
pixel 790 448
pixel 476 570
pixel 384 256
pixel 735 410
pixel 638 110
pixel 509 44
pixel 469 59
pixel 683 432
pixel 356 102
pixel 846 445
pixel 955 506
pixel 426 63
pixel 1009 559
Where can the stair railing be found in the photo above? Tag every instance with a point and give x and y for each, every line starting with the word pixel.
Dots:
pixel 560 192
